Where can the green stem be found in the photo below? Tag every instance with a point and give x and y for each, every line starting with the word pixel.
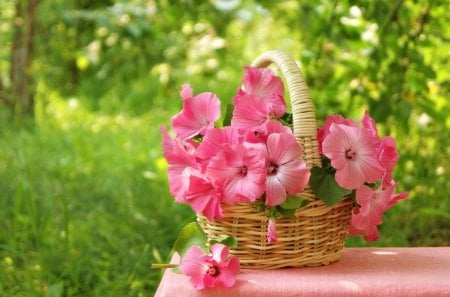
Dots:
pixel 162 266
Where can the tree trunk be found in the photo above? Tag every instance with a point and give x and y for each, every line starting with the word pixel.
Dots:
pixel 22 88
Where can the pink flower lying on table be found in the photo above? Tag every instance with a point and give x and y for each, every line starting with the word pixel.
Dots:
pixel 214 270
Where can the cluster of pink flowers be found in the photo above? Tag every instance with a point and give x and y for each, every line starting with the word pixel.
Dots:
pixel 256 157
pixel 364 162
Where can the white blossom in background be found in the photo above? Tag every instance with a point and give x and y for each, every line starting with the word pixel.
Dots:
pixel 370 35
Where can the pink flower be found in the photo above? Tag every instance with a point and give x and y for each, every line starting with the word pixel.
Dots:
pixel 199 113
pixel 239 172
pixel 373 204
pixel 388 156
pixel 285 172
pixel 179 155
pixel 250 113
pixel 352 153
pixel 206 271
pixel 214 140
pixel 369 123
pixel 323 132
pixel 271 231
pixel 260 134
pixel 201 195
pixel 262 83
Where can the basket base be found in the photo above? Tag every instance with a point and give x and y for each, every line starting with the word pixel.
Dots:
pixel 314 237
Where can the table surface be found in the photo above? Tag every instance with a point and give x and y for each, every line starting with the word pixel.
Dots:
pixel 360 272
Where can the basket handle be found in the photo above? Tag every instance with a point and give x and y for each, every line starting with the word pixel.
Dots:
pixel 303 112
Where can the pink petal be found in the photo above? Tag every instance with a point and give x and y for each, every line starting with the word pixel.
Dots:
pixel 325 129
pixel 265 85
pixel 203 197
pixel 349 176
pixel 294 176
pixel 167 141
pixel 249 113
pixel 226 170
pixel 178 155
pixel 186 92
pixel 275 191
pixel 219 252
pixel 192 264
pixel 369 123
pixel 228 272
pixel 214 139
pixel 271 231
pixel 199 113
pixel 282 148
pixel 363 166
pixel 260 133
pixel 388 157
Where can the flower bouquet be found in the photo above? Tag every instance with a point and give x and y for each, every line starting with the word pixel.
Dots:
pixel 271 185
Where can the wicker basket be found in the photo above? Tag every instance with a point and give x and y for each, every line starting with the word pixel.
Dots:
pixel 316 235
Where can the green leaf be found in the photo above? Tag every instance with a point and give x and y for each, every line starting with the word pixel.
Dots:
pixel 260 205
pixel 325 187
pixel 293 202
pixel 286 119
pixel 191 234
pixel 287 213
pixel 228 115
pixel 229 241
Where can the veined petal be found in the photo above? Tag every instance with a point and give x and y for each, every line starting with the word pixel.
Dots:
pixel 369 123
pixel 323 132
pixel 275 192
pixel 203 197
pixel 238 172
pixel 350 176
pixel 214 140
pixel 192 264
pixel 249 113
pixel 228 272
pixel 294 176
pixel 219 252
pixel 262 82
pixel 282 148
pixel 199 113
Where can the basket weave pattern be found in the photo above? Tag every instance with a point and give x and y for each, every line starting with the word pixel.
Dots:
pixel 316 235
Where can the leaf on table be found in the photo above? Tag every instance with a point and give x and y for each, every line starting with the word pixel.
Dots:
pixel 191 234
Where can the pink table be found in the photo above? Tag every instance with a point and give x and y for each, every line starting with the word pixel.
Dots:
pixel 360 272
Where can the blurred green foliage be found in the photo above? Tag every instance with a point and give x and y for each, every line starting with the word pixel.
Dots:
pixel 85 206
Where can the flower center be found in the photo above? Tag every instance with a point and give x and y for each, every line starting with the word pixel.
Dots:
pixel 349 154
pixel 272 169
pixel 212 270
pixel 244 170
pixel 258 133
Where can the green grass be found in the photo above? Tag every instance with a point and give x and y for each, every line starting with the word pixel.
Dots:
pixel 84 206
